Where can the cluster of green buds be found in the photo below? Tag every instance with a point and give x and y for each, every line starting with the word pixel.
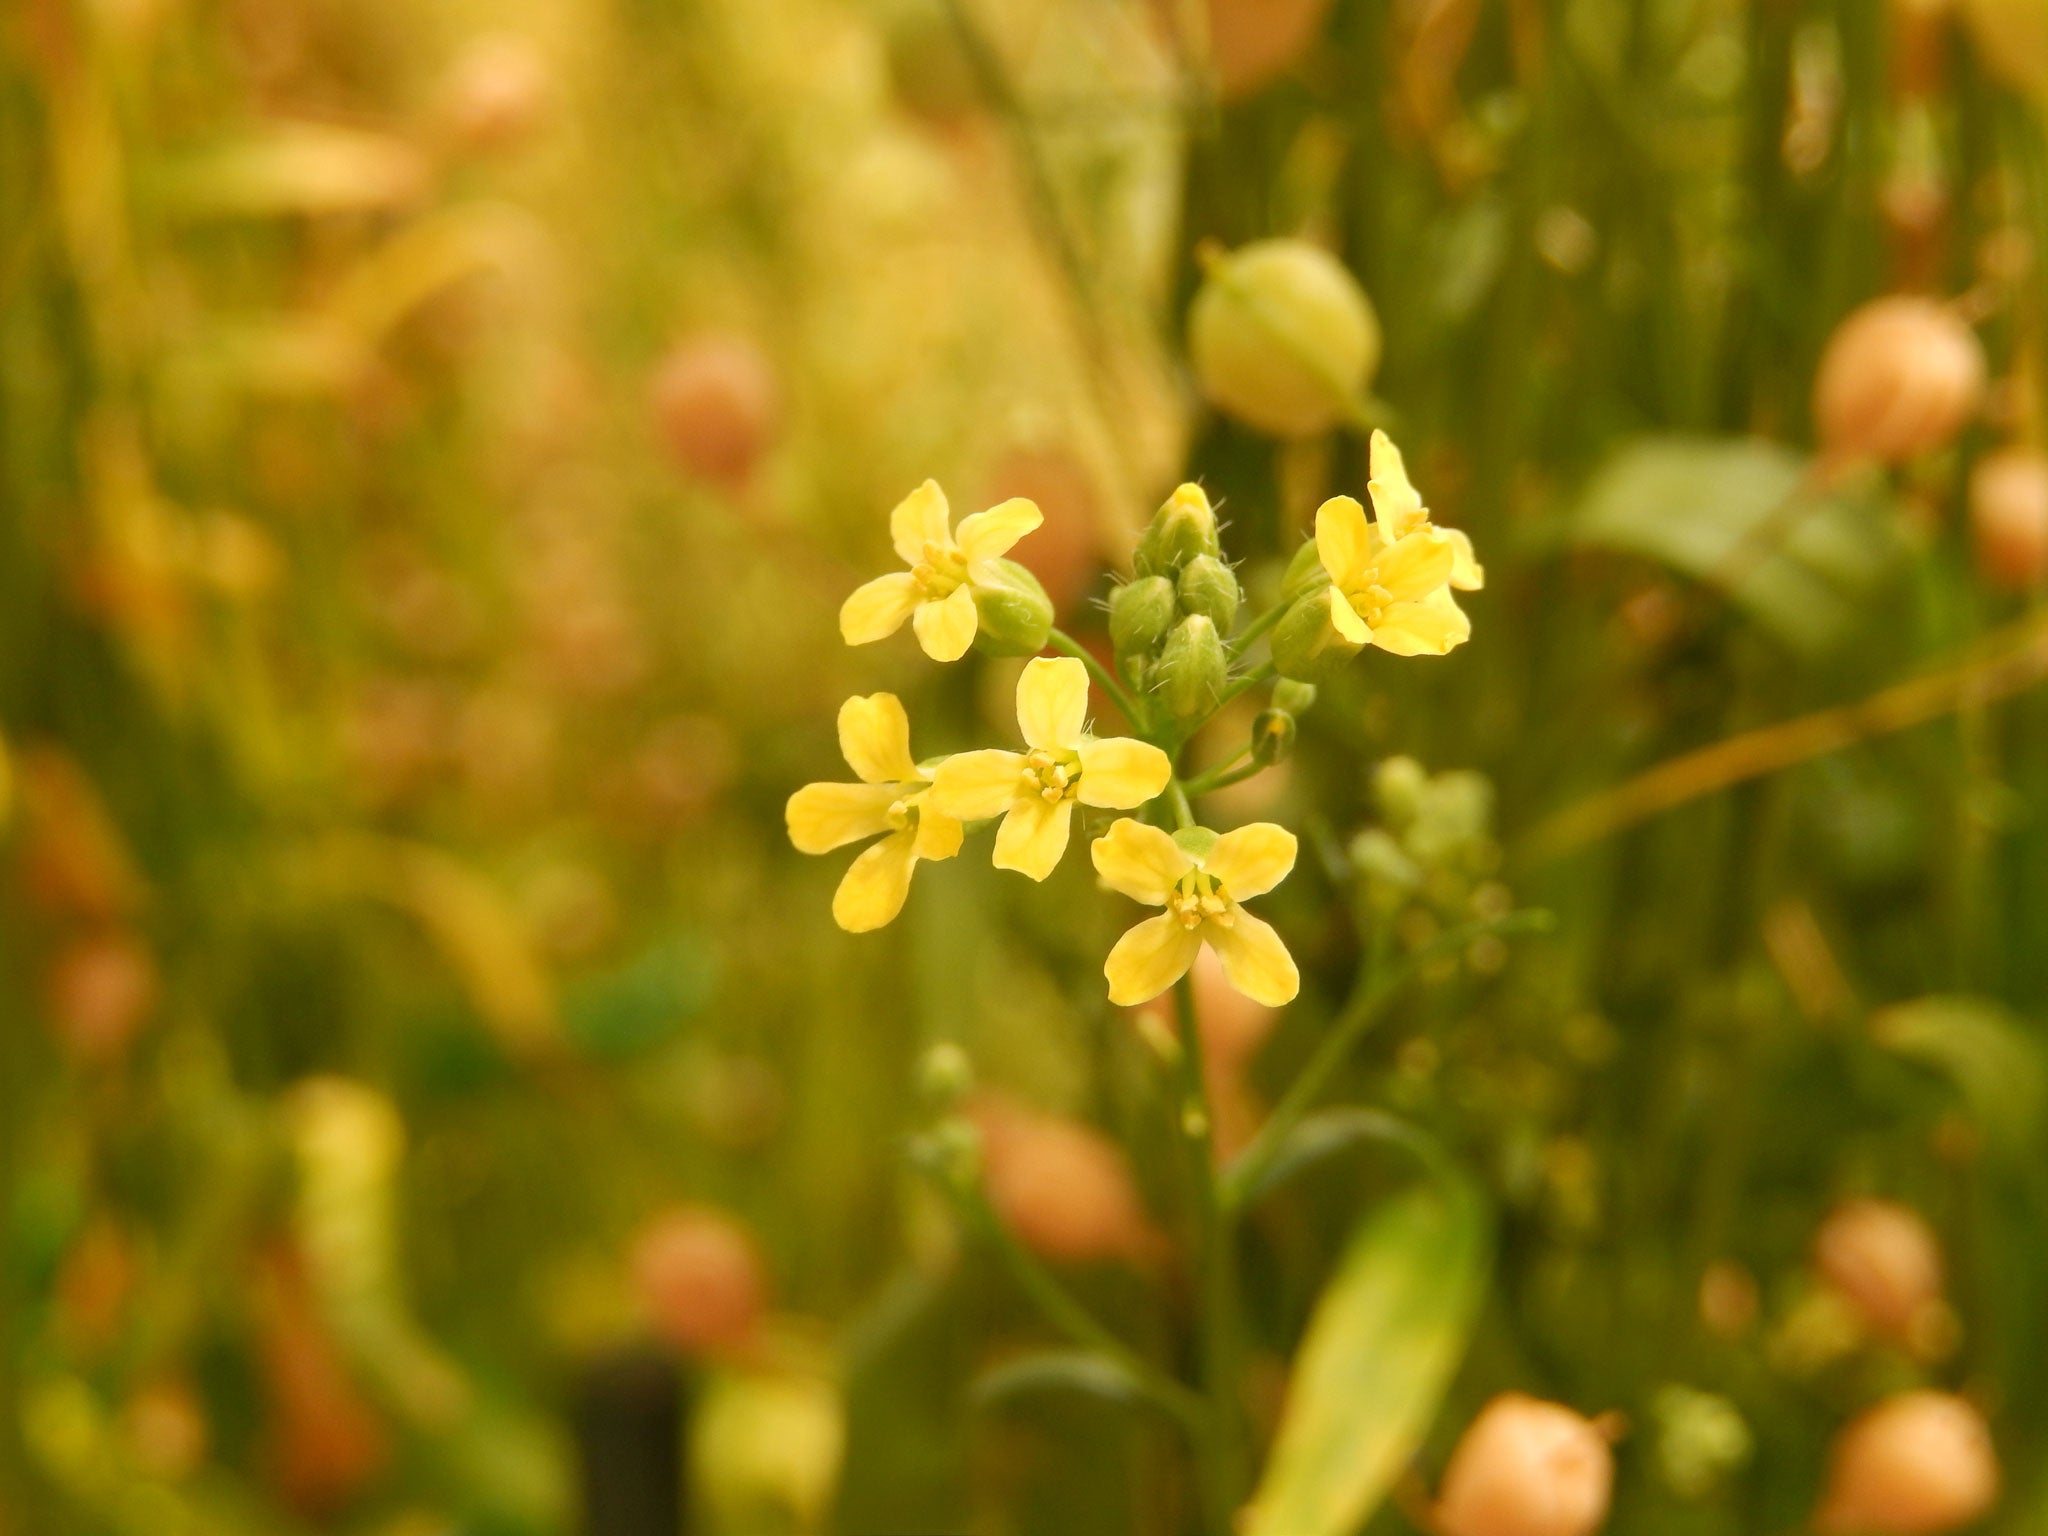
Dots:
pixel 1434 847
pixel 1170 622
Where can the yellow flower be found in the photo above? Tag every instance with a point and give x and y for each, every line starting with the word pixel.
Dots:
pixel 1034 792
pixel 893 796
pixel 1393 576
pixel 937 593
pixel 1199 878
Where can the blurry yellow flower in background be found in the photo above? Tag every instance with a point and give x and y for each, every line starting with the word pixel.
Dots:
pixel 1034 792
pixel 893 796
pixel 937 593
pixel 1393 575
pixel 1199 878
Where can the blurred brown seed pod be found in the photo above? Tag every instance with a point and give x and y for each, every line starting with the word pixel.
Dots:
pixel 1884 1261
pixel 1065 552
pixel 2009 518
pixel 1900 377
pixel 1063 1189
pixel 497 92
pixel 1526 1468
pixel 1917 1464
pixel 700 1281
pixel 167 1425
pixel 74 861
pixel 100 990
pixel 1252 43
pixel 717 406
pixel 327 1442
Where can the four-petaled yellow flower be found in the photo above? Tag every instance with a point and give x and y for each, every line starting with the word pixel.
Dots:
pixel 937 593
pixel 1393 575
pixel 1034 792
pixel 1200 879
pixel 893 796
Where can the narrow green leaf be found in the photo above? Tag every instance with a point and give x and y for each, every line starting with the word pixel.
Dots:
pixel 1058 1370
pixel 1385 1338
pixel 1995 1064
pixel 1320 1136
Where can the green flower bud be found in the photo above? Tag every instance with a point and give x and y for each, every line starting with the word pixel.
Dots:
pixel 1192 668
pixel 1398 785
pixel 1390 876
pixel 1283 338
pixel 1015 615
pixel 1209 587
pixel 945 1075
pixel 1140 614
pixel 1182 529
pixel 1304 572
pixel 1272 736
pixel 1306 645
pixel 1296 698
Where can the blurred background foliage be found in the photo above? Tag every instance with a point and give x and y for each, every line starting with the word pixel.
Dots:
pixel 434 443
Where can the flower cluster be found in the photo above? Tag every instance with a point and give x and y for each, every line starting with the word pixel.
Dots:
pixel 1385 583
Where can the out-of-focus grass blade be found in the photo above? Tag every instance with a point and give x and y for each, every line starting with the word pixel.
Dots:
pixel 1745 515
pixel 297 168
pixel 1995 1064
pixel 1386 1336
pixel 1328 1132
pixel 1058 1370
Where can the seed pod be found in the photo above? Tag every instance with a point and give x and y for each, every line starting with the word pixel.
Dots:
pixel 1900 376
pixel 1013 614
pixel 1526 1468
pixel 699 1280
pixel 717 406
pixel 2009 518
pixel 1192 668
pixel 1182 528
pixel 1884 1261
pixel 1140 614
pixel 1917 1464
pixel 1283 338
pixel 1306 645
pixel 1273 732
pixel 1063 1189
pixel 1253 43
pixel 100 990
pixel 1209 587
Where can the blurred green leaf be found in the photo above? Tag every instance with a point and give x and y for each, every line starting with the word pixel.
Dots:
pixel 1081 1371
pixel 1745 515
pixel 1387 1333
pixel 1328 1132
pixel 1994 1061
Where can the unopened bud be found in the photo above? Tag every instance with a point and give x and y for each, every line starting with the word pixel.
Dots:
pixel 1183 528
pixel 1306 645
pixel 1305 572
pixel 945 1075
pixel 1013 615
pixel 1917 1464
pixel 1283 338
pixel 1294 697
pixel 699 1281
pixel 1900 376
pixel 1398 787
pixel 1273 732
pixel 1192 669
pixel 1209 587
pixel 1527 1468
pixel 1140 614
pixel 1884 1261
pixel 2009 518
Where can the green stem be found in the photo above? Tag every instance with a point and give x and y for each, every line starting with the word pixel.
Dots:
pixel 1226 1473
pixel 1177 795
pixel 1375 988
pixel 1250 680
pixel 1223 776
pixel 1067 645
pixel 1257 627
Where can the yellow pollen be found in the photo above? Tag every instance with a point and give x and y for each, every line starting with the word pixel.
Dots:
pixel 1199 899
pixel 901 814
pixel 1052 778
pixel 940 571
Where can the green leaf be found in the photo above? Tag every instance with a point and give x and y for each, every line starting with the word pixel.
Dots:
pixel 1385 1338
pixel 1059 1370
pixel 1742 515
pixel 1994 1061
pixel 1328 1132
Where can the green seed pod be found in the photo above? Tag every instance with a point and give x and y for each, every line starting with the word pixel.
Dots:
pixel 1209 587
pixel 1272 736
pixel 1184 527
pixel 1140 614
pixel 1192 668
pixel 1304 572
pixel 945 1075
pixel 1296 698
pixel 1306 645
pixel 1283 338
pixel 1015 614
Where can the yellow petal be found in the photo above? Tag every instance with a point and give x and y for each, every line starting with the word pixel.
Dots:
pixel 1412 568
pixel 938 835
pixel 1346 620
pixel 1033 835
pixel 919 518
pixel 1052 702
pixel 1121 773
pixel 878 608
pixel 988 534
pixel 946 628
pixel 1149 958
pixel 1139 860
pixel 976 785
pixel 822 817
pixel 874 736
pixel 1342 540
pixel 1254 960
pixel 1467 574
pixel 1251 860
pixel 1431 628
pixel 1396 504
pixel 872 893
